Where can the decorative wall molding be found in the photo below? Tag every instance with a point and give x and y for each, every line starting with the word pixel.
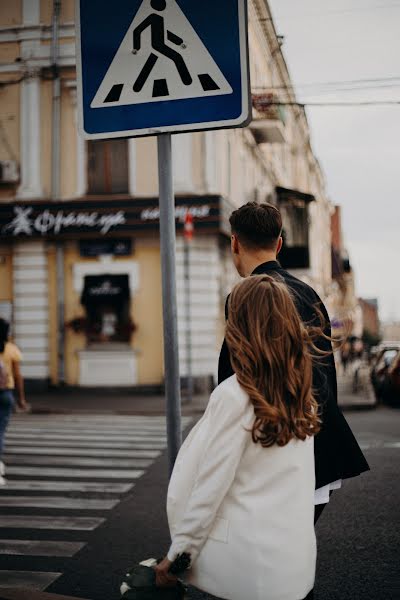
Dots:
pixel 106 266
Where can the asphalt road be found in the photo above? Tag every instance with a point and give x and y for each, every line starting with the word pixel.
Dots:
pixel 358 534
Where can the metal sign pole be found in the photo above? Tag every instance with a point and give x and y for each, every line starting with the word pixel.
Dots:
pixel 187 239
pixel 170 316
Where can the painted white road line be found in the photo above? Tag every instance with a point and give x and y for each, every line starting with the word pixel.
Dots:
pixel 379 445
pixel 62 451
pixel 67 486
pixel 130 426
pixel 106 425
pixel 78 436
pixel 57 502
pixel 61 473
pixel 74 461
pixel 108 419
pixel 39 548
pixel 81 443
pixel 34 580
pixel 114 435
pixel 50 522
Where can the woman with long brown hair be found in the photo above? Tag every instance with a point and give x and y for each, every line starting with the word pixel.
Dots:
pixel 241 496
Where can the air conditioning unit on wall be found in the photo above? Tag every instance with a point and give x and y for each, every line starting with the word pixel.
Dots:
pixel 9 172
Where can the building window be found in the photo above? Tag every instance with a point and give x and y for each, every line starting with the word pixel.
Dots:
pixel 293 205
pixel 108 171
pixel 106 299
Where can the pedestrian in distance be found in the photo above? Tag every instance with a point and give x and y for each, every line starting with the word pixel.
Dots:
pixel 10 378
pixel 255 243
pixel 241 496
pixel 345 355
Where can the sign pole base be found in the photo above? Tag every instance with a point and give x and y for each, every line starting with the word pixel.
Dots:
pixel 170 316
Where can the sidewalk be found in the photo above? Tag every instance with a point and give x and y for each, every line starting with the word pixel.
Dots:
pixel 113 401
pixel 82 401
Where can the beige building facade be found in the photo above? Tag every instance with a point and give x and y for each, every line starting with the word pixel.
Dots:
pixel 80 270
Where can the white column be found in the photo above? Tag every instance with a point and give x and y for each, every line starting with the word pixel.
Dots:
pixel 210 162
pixel 204 311
pixel 30 186
pixel 31 12
pixel 132 166
pixel 81 165
pixel 31 319
pixel 81 148
pixel 182 159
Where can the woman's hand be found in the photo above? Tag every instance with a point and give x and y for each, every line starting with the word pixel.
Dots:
pixel 163 577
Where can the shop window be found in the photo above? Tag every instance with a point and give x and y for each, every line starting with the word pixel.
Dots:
pixel 106 299
pixel 108 167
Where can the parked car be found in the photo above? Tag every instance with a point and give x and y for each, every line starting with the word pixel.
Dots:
pixel 385 373
pixel 391 390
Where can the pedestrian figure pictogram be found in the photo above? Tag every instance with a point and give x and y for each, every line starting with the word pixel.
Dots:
pixel 161 57
pixel 157 27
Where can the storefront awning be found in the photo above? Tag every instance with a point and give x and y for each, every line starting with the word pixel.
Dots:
pixel 104 288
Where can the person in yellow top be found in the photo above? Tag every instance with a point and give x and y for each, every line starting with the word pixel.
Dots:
pixel 10 378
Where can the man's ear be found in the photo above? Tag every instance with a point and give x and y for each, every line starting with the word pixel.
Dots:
pixel 279 246
pixel 234 244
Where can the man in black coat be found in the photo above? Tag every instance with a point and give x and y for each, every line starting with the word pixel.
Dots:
pixel 256 241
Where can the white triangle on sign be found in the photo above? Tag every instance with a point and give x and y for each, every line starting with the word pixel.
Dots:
pixel 172 62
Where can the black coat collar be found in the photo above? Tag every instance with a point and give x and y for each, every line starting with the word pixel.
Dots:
pixel 271 265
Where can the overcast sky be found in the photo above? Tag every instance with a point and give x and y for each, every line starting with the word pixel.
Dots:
pixel 359 148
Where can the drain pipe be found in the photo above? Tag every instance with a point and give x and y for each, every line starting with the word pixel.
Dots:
pixel 55 180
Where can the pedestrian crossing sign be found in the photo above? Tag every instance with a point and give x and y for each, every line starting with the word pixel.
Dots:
pixel 154 66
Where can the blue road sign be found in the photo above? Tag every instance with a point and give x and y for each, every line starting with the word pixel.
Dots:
pixel 154 66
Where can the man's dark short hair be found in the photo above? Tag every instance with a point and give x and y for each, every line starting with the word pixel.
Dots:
pixel 257 226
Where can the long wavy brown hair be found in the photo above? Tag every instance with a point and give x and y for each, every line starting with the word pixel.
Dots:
pixel 271 354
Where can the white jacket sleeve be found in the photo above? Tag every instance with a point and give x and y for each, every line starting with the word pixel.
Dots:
pixel 227 436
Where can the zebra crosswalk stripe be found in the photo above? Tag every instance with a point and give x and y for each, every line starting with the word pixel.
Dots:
pixel 28 459
pixel 64 472
pixel 57 502
pixel 67 486
pixel 50 522
pixel 67 463
pixel 34 580
pixel 39 548
pixel 66 451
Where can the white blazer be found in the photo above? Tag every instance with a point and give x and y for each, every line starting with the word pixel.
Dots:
pixel 245 513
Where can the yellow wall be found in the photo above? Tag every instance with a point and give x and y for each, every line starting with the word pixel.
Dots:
pixel 9 129
pixel 146 167
pixel 146 312
pixel 67 11
pixel 6 288
pixel 9 120
pixel 10 12
pixel 73 342
pixel 10 51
